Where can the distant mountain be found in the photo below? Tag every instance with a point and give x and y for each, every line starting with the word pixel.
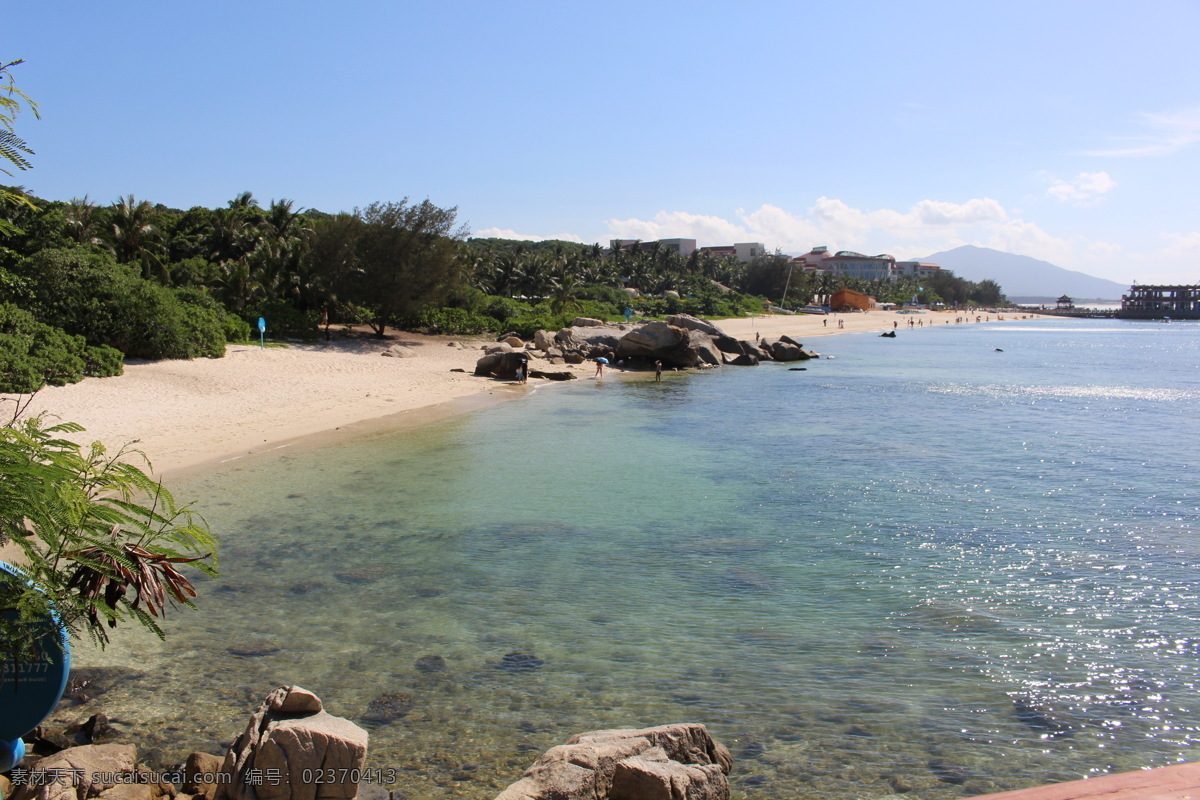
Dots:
pixel 1023 278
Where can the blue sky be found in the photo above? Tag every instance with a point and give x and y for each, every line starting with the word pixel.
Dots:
pixel 1064 130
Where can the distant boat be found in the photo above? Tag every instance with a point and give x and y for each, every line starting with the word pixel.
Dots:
pixel 814 310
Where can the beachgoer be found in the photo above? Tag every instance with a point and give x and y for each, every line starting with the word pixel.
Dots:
pixel 523 369
pixel 824 323
pixel 894 324
pixel 658 370
pixel 599 368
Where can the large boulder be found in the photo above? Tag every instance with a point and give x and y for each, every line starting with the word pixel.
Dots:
pixel 284 743
pixel 728 344
pixel 543 339
pixel 500 365
pixel 706 349
pixel 671 762
pixel 754 349
pixel 659 341
pixel 586 322
pixel 694 324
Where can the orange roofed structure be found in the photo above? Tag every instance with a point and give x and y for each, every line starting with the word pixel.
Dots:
pixel 846 299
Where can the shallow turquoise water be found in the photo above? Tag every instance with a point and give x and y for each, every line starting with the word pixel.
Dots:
pixel 922 565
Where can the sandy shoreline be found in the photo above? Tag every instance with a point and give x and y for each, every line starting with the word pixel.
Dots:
pixel 188 413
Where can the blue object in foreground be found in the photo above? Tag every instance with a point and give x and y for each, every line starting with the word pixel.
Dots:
pixel 31 690
pixel 12 752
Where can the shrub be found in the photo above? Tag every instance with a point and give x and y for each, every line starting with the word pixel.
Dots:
pixel 102 361
pixel 284 320
pixel 33 354
pixel 237 330
pixel 451 322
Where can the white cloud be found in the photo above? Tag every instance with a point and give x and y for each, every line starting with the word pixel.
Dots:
pixel 1183 245
pixel 508 233
pixel 1085 188
pixel 672 224
pixel 1168 132
pixel 830 221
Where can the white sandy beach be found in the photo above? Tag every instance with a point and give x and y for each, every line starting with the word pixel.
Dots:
pixel 186 413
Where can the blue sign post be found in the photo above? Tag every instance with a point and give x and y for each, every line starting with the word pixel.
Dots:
pixel 262 332
pixel 30 689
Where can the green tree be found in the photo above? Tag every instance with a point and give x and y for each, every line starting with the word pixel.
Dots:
pixel 100 540
pixel 406 260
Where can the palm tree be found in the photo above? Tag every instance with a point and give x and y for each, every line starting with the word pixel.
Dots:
pixel 133 236
pixel 82 218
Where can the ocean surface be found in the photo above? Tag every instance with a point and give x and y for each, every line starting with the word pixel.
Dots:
pixel 960 561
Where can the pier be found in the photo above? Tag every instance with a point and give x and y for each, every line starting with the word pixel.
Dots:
pixel 1161 302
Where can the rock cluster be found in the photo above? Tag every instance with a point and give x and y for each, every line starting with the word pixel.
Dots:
pixel 668 762
pixel 680 342
pixel 289 739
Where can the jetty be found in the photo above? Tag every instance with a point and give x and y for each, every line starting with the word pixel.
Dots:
pixel 1161 302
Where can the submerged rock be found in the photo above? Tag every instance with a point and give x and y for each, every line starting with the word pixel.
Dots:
pixel 388 707
pixel 519 662
pixel 432 663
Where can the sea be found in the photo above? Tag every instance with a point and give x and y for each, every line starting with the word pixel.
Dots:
pixel 959 561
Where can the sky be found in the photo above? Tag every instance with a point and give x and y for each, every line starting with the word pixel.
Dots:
pixel 1066 130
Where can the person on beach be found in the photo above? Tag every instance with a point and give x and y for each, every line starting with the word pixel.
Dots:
pixel 658 370
pixel 523 369
pixel 600 362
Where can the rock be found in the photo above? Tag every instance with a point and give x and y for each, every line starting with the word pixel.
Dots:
pixel 515 342
pixel 629 765
pixel 428 664
pixel 397 351
pixel 659 341
pixel 671 293
pixel 754 349
pixel 783 351
pixel 706 348
pixel 728 344
pixel 519 662
pixel 573 358
pixel 200 775
pixel 81 772
pixel 653 776
pixel 552 376
pixel 454 344
pixel 388 707
pixel 458 369
pixel 685 742
pixel 694 324
pixel 1039 717
pixel 745 360
pixel 256 648
pixel 503 347
pixel 544 340
pixel 554 352
pixel 296 701
pixel 566 339
pixel 500 365
pixel 586 322
pixel 290 746
pixel 97 728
